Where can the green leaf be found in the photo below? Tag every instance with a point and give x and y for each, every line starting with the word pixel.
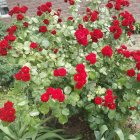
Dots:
pixel 34 113
pixel 132 137
pixel 44 108
pixel 103 129
pixel 67 90
pixel 65 112
pixel 119 133
pixel 63 119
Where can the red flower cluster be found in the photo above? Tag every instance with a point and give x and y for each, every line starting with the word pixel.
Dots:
pixel 108 101
pixel 60 72
pixel 23 74
pixel 18 10
pixel 91 58
pixel 7 113
pixel 107 51
pixel 4 46
pixel 80 76
pixel 44 8
pixel 117 4
pixel 116 29
pixel 124 51
pixel 94 16
pixel 56 94
pixel 96 35
pixel 12 29
pixel 128 21
pixel 81 35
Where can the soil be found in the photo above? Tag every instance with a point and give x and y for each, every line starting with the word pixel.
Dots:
pixel 77 126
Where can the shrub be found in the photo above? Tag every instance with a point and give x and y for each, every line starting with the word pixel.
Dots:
pixel 77 64
pixel 137 28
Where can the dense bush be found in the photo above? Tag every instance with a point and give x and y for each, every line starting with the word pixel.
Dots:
pixel 80 64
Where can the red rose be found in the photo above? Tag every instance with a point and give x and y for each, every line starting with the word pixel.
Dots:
pixel 33 45
pixel 131 72
pixel 43 29
pixel 96 34
pixel 79 85
pixel 10 37
pixel 71 2
pixel 98 100
pixel 94 16
pixel 81 36
pixel 85 18
pixel 126 54
pixel 25 69
pixel 109 99
pixel 25 77
pixel 55 51
pixel 16 10
pixel 91 58
pixel 46 21
pixel 138 77
pixel 20 17
pixel 25 24
pixel 109 92
pixel 80 68
pixel 138 65
pixel 49 4
pixel 107 51
pixel 53 32
pixel 8 105
pixel 39 13
pixel 23 9
pixel 112 106
pixel 44 97
pixel 60 72
pixel 18 76
pixel 109 5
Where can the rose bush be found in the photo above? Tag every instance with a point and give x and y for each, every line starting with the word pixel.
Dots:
pixel 77 64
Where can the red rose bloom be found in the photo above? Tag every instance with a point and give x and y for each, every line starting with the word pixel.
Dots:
pixel 109 92
pixel 25 69
pixel 71 2
pixel 49 4
pixel 131 72
pixel 39 13
pixel 112 106
pixel 20 17
pixel 25 24
pixel 46 21
pixel 18 76
pixel 60 72
pixel 45 97
pixel 138 77
pixel 98 100
pixel 7 113
pixel 138 65
pixel 23 9
pixel 109 5
pixel 43 29
pixel 33 45
pixel 91 58
pixel 10 37
pixel 80 68
pixel 96 34
pixel 94 16
pixel 81 36
pixel 53 32
pixel 107 51
pixel 85 18
pixel 25 77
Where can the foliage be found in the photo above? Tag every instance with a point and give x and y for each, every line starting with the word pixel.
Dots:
pixel 3 28
pixel 137 28
pixel 80 63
